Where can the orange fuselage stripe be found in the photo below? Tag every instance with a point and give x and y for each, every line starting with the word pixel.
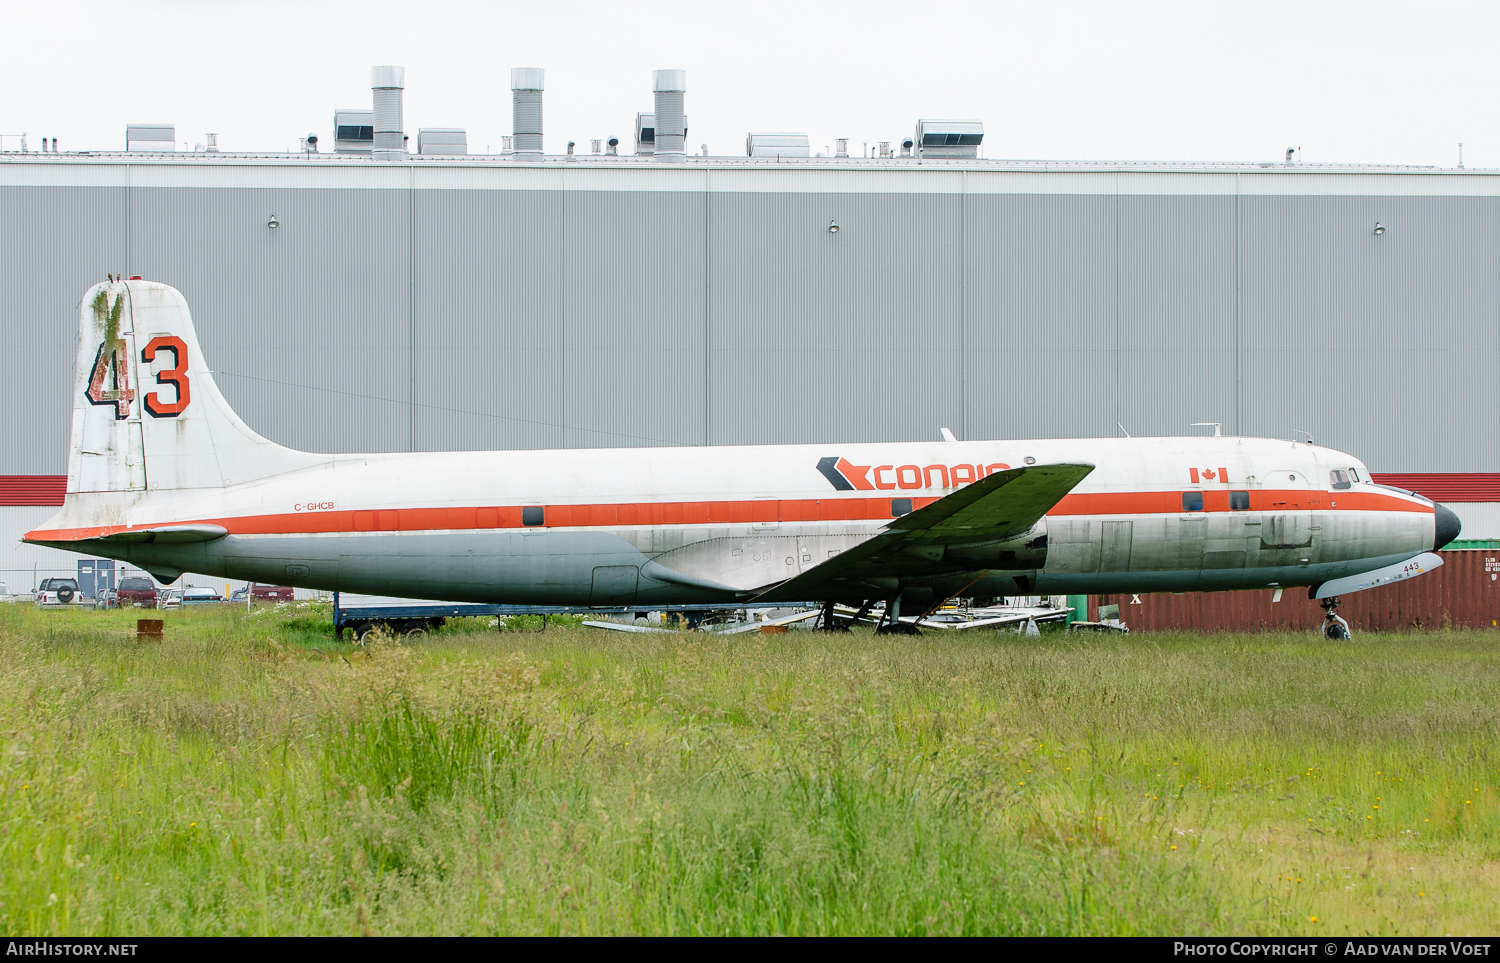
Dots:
pixel 742 512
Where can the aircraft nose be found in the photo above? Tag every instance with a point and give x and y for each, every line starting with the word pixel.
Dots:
pixel 1446 526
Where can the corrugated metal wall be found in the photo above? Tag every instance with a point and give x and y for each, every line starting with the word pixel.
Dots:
pixel 1463 592
pixel 491 314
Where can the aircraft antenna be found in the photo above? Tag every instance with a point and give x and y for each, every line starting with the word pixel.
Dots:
pixel 1215 425
pixel 1122 428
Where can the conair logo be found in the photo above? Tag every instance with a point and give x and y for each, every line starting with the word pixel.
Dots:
pixel 846 477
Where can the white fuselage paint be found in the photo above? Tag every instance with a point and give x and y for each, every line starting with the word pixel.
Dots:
pixel 446 525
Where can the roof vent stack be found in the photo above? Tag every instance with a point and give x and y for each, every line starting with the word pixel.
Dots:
pixel 388 84
pixel 526 85
pixel 670 87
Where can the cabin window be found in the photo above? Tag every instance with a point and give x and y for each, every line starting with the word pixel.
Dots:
pixel 1192 501
pixel 900 506
pixel 532 515
pixel 1239 501
pixel 1338 479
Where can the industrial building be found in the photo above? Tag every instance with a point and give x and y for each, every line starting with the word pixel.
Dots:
pixel 399 293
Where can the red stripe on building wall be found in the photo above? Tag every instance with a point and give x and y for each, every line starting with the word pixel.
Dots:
pixel 32 489
pixel 1446 486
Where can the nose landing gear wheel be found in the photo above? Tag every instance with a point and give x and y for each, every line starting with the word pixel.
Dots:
pixel 1334 628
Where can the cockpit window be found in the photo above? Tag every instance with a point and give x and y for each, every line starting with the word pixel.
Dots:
pixel 1354 475
pixel 1339 479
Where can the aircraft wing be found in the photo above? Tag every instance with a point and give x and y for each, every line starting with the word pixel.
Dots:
pixel 996 508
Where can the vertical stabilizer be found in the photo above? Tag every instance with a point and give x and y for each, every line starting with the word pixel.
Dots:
pixel 147 415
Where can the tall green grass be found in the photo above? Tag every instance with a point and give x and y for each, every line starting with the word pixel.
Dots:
pixel 250 775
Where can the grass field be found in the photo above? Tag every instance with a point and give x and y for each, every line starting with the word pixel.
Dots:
pixel 249 775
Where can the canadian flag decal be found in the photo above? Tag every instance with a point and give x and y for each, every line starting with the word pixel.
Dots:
pixel 1209 475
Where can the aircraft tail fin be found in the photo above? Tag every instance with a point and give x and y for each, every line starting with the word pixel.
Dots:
pixel 147 415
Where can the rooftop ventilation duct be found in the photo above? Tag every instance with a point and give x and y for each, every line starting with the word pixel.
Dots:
pixel 949 138
pixel 353 131
pixel 526 85
pixel 670 87
pixel 442 140
pixel 157 138
pixel 645 134
pixel 777 145
pixel 388 84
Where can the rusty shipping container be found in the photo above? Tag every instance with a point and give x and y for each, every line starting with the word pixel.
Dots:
pixel 1464 592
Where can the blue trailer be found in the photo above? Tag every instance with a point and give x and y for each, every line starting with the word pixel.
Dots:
pixel 418 618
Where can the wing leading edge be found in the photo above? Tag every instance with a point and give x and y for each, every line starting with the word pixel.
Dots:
pixel 997 508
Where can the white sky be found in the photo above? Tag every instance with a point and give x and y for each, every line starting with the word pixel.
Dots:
pixel 1374 82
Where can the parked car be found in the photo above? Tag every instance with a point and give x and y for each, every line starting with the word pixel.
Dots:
pixel 136 592
pixel 265 593
pixel 169 598
pixel 199 595
pixel 58 593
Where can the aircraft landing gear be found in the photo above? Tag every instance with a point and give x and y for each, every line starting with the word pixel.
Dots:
pixel 828 622
pixel 891 624
pixel 1334 628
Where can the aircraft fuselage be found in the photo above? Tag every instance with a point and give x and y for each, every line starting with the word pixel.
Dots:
pixel 681 525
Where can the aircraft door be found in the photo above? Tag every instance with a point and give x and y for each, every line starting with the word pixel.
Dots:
pixel 1114 553
pixel 1286 516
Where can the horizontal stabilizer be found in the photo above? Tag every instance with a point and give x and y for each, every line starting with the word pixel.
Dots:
pixel 168 534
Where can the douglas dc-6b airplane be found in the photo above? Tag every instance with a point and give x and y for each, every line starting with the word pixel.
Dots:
pixel 163 474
